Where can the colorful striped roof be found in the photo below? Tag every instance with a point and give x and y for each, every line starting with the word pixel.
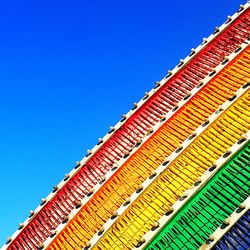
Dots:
pixel 173 173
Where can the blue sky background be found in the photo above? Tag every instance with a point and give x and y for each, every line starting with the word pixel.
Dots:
pixel 69 70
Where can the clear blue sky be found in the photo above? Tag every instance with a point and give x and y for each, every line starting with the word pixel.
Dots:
pixel 69 70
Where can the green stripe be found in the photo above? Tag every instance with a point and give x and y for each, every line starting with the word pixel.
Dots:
pixel 206 211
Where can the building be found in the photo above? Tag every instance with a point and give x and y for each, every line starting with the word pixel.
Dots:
pixel 173 173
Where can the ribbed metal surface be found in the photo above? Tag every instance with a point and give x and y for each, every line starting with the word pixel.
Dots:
pixel 207 210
